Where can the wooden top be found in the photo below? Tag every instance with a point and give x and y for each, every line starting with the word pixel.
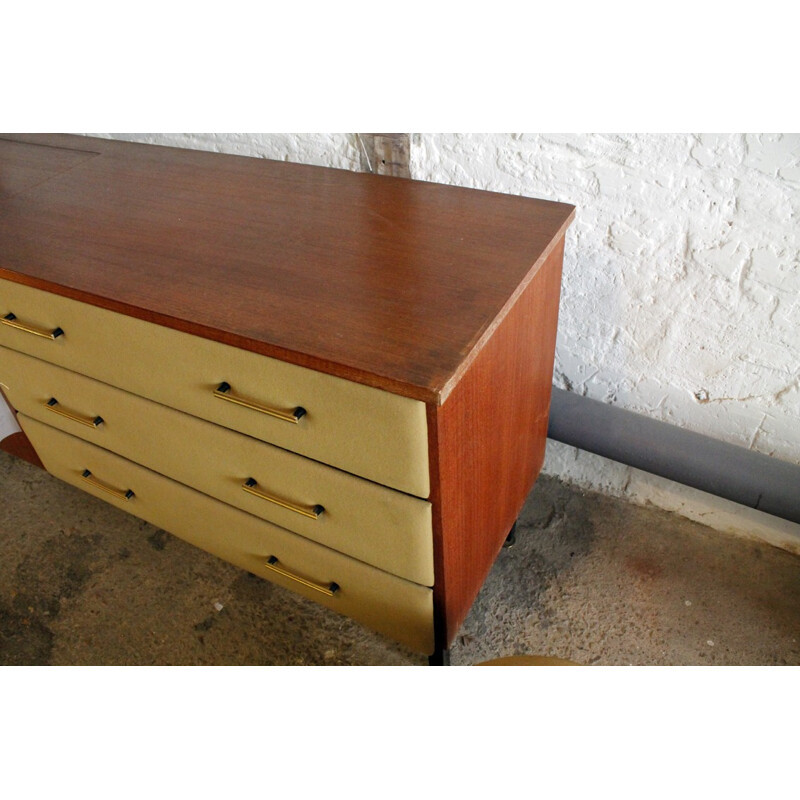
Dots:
pixel 386 281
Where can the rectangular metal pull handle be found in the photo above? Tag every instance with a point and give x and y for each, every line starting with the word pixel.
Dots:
pixel 223 392
pixel 314 512
pixel 329 589
pixel 120 494
pixel 12 322
pixel 91 422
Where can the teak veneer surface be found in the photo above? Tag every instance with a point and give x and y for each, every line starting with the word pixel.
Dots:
pixel 19 445
pixel 385 281
pixel 488 443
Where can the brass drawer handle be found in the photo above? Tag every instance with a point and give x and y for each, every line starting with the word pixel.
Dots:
pixel 12 322
pixel 120 494
pixel 307 511
pixel 90 422
pixel 329 589
pixel 223 392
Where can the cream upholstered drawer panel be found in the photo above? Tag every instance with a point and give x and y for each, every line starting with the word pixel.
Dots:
pixel 360 429
pixel 384 602
pixel 383 527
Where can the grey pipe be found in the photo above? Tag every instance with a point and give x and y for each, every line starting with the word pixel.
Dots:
pixel 722 469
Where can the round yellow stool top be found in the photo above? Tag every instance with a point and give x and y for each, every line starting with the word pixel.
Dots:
pixel 528 661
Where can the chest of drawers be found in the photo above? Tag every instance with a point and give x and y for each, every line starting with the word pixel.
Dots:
pixel 338 382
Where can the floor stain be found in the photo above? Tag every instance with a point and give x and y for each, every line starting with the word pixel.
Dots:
pixel 24 639
pixel 158 539
pixel 56 571
pixel 554 532
pixel 206 624
pixel 643 568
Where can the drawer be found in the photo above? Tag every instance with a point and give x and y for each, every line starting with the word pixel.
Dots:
pixel 395 607
pixel 360 429
pixel 383 527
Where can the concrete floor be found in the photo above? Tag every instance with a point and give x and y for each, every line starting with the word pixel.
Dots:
pixel 591 579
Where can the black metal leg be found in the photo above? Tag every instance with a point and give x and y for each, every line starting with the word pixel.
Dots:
pixel 512 536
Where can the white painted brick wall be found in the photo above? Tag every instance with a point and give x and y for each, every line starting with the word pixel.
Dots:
pixel 339 150
pixel 681 290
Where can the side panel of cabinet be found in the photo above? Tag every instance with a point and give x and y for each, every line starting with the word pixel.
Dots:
pixel 487 445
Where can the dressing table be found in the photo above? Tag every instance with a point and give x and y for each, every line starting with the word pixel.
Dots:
pixel 339 382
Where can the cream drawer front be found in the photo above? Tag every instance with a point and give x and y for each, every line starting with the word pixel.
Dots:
pixel 400 609
pixel 366 431
pixel 383 527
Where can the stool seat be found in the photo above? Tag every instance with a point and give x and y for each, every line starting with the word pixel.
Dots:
pixel 528 661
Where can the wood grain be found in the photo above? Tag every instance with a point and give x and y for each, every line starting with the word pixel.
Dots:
pixel 385 281
pixel 25 166
pixel 19 445
pixel 487 445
